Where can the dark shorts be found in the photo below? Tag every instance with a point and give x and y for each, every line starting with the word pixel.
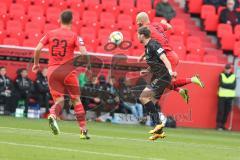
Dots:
pixel 159 84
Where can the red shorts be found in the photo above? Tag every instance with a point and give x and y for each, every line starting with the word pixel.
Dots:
pixel 62 82
pixel 173 58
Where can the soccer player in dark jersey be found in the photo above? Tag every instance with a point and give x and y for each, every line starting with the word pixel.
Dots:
pixel 161 69
pixel 62 79
pixel 158 32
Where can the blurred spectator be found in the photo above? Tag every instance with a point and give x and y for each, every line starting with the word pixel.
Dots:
pixel 215 3
pixel 226 94
pixel 83 77
pixel 42 90
pixel 89 95
pixel 164 9
pixel 229 15
pixel 108 95
pixel 24 87
pixel 6 92
pixel 129 100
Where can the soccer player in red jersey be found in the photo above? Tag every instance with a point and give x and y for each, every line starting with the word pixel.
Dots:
pixel 62 78
pixel 158 32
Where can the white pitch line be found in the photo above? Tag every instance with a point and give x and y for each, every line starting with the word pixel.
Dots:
pixel 76 150
pixel 206 146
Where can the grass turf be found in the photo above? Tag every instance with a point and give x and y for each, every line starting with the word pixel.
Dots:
pixel 25 139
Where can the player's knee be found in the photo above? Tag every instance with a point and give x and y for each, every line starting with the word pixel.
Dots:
pixel 60 101
pixel 144 99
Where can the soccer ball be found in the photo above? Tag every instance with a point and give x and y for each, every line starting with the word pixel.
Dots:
pixel 116 37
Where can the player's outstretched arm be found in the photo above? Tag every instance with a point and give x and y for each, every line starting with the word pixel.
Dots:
pixel 169 26
pixel 37 53
pixel 168 65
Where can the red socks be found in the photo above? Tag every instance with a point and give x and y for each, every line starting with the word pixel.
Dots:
pixel 80 116
pixel 181 82
pixel 55 110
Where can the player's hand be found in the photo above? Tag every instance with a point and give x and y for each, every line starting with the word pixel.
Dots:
pixel 35 68
pixel 173 74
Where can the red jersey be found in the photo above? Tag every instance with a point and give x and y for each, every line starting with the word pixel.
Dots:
pixel 158 32
pixel 61 43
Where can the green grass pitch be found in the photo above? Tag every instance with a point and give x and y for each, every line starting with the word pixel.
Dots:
pixel 25 139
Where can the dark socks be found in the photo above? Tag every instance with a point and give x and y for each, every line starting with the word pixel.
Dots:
pixel 153 112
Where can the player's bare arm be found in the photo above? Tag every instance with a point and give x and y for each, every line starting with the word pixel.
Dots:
pixel 169 26
pixel 37 53
pixel 141 58
pixel 168 65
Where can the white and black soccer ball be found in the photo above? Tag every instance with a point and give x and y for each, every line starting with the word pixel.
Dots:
pixel 116 37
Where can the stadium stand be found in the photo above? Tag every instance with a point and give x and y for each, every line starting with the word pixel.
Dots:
pixel 24 20
pixel 209 14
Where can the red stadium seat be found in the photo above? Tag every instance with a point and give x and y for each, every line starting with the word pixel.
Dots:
pixel 62 4
pixel 127 35
pixel 237 32
pixel 88 31
pixel 17 10
pixel 33 34
pixel 92 5
pixel 1 25
pixel 33 25
pixel 52 14
pixel 109 5
pixel 103 35
pixel 180 50
pixel 26 3
pixel 195 6
pixel 107 20
pixel 224 29
pixel 76 15
pixel 179 26
pixel 76 5
pixel 29 43
pixel 193 42
pixel 211 23
pixel 210 59
pixel 49 27
pixel 194 57
pixel 35 11
pixel 40 20
pixel 227 42
pixel 3 8
pixel 176 40
pixel 13 27
pixel 2 36
pixel 124 21
pixel 89 17
pixel 126 4
pixel 215 52
pixel 11 41
pixel 144 5
pixel 101 49
pixel 43 3
pixel 236 50
pixel 207 10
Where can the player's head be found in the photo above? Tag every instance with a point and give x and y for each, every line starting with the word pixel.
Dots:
pixel 230 4
pixel 142 19
pixel 3 71
pixel 228 68
pixel 144 33
pixel 66 17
